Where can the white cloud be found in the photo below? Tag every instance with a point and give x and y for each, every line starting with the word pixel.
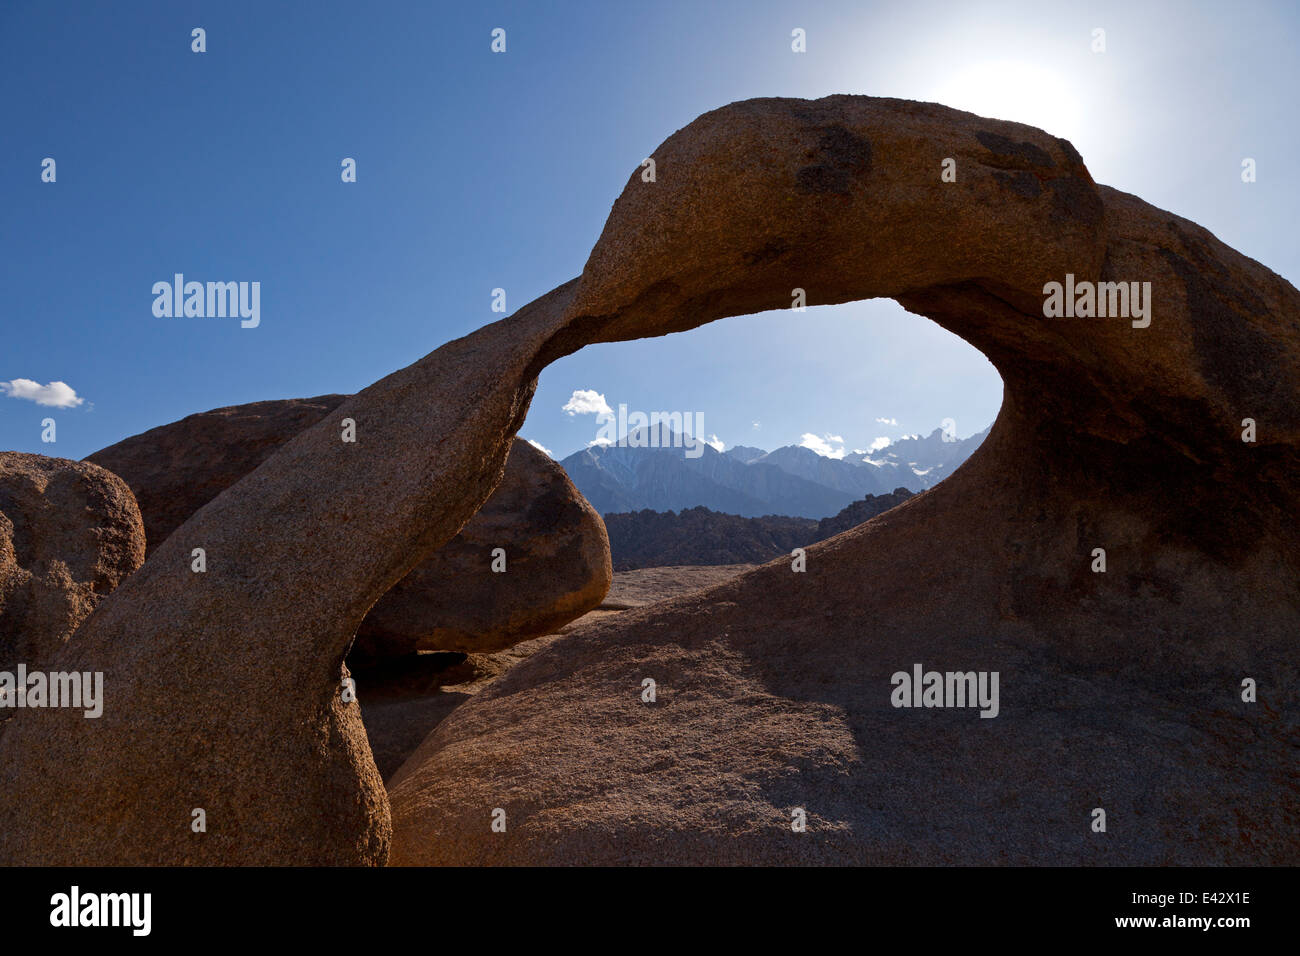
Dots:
pixel 716 443
pixel 887 421
pixel 540 447
pixel 601 442
pixel 879 443
pixel 757 426
pixel 55 395
pixel 586 401
pixel 822 446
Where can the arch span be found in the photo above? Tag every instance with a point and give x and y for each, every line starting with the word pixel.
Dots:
pixel 777 684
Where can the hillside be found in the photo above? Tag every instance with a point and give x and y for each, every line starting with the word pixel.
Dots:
pixel 700 536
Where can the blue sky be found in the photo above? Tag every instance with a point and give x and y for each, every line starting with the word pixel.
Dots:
pixel 478 171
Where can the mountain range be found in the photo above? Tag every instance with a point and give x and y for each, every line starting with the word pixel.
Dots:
pixel 752 482
pixel 698 536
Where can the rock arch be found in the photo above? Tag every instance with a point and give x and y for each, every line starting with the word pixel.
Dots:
pixel 774 686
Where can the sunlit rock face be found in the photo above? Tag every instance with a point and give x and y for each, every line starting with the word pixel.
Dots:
pixel 1118 689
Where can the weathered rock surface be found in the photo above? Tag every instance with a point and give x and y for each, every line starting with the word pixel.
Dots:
pixel 557 569
pixel 557 553
pixel 1118 689
pixel 69 533
pixel 644 586
pixel 224 688
pixel 403 699
pixel 177 468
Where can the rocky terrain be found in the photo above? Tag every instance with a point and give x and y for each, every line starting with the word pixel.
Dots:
pixel 70 532
pixel 698 536
pixel 774 734
pixel 647 586
pixel 860 512
pixel 405 698
pixel 647 539
pixel 554 564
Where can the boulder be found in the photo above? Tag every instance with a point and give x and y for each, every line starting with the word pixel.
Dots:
pixel 177 468
pixel 555 565
pixel 70 532
pixel 556 553
pixel 1120 690
pixel 225 689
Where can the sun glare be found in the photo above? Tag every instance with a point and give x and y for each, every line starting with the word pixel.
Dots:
pixel 1014 90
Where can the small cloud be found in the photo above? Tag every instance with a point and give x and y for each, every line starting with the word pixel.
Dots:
pixel 716 443
pixel 822 446
pixel 879 443
pixel 540 447
pixel 601 442
pixel 887 421
pixel 55 395
pixel 586 401
pixel 757 426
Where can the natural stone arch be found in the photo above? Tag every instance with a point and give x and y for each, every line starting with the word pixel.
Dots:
pixel 841 197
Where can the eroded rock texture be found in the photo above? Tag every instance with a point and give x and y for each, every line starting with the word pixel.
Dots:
pixel 223 688
pixel 556 551
pixel 1118 690
pixel 69 533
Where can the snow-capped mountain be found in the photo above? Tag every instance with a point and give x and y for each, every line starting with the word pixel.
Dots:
pixel 748 481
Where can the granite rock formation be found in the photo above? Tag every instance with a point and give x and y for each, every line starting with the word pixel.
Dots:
pixel 69 534
pixel 1118 689
pixel 557 553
